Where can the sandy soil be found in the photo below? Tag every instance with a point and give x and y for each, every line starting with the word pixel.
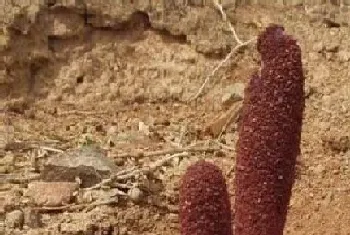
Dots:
pixel 73 75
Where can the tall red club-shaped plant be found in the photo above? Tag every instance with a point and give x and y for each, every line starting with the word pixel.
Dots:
pixel 269 136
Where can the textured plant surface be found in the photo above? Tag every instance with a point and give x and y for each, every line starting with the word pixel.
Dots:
pixel 204 201
pixel 269 137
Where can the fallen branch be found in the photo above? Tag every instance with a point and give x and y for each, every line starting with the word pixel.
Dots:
pixel 77 207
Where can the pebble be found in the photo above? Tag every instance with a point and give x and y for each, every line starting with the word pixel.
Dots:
pixel 318 47
pixel 135 194
pixel 7 164
pixel 233 94
pixel 51 194
pixel 319 170
pixel 32 218
pixel 332 47
pixel 144 128
pixel 14 219
pixel 176 91
pixel 344 56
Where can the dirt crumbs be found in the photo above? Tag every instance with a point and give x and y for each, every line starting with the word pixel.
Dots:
pixel 104 106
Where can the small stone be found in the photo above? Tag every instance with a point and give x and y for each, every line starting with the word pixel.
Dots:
pixel 328 199
pixel 172 218
pixel 337 142
pixel 6 135
pixel 135 194
pixel 112 130
pixel 216 126
pixel 233 94
pixel 344 56
pixel 9 200
pixel 51 194
pixel 123 231
pixel 318 47
pixel 7 164
pixel 144 128
pixel 332 47
pixel 14 219
pixel 319 170
pixel 309 90
pixel 176 91
pixel 17 105
pixel 32 218
pixel 3 76
pixel 71 228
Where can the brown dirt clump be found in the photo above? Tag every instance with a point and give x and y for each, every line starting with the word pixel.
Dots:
pixel 204 201
pixel 269 137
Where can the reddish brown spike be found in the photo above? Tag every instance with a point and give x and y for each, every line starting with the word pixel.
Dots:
pixel 204 202
pixel 269 137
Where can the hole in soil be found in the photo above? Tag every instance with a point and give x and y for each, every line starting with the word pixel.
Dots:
pixel 80 79
pixel 139 19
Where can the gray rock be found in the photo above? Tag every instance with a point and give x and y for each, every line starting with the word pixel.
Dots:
pixel 14 219
pixel 89 164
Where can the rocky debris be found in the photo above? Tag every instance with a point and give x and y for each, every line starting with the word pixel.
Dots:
pixel 123 139
pixel 2 205
pixel 176 91
pixel 143 128
pixel 82 223
pixel 319 170
pixel 10 200
pixel 336 142
pixel 32 218
pixel 332 47
pixel 4 42
pixel 233 94
pixel 90 196
pixel 135 194
pixel 65 24
pixel 17 105
pixel 6 135
pixel 3 73
pixel 88 164
pixel 309 90
pixel 14 219
pixel 83 227
pixel 7 163
pixel 51 194
pixel 344 56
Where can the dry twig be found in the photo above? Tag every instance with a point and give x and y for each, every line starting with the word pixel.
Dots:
pixel 192 149
pixel 240 45
pixel 233 117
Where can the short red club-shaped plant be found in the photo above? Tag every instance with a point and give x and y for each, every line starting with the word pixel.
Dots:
pixel 204 201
